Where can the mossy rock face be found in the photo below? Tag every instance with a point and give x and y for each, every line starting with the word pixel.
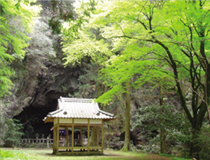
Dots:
pixel 40 80
pixel 36 96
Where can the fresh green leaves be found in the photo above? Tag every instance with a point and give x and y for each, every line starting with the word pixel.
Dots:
pixel 161 43
pixel 15 22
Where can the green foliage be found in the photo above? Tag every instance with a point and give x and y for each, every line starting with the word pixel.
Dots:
pixel 153 118
pixel 204 142
pixel 81 40
pixel 88 81
pixel 153 53
pixel 151 42
pixel 175 44
pixel 167 114
pixel 62 11
pixel 132 63
pixel 10 131
pixel 15 21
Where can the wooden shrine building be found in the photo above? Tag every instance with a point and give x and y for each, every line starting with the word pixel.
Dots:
pixel 78 126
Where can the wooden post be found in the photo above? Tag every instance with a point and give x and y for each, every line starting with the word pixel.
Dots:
pixel 88 135
pixel 72 136
pixel 57 137
pixel 81 136
pixel 54 139
pixel 37 137
pixel 48 140
pixel 67 136
pixel 102 133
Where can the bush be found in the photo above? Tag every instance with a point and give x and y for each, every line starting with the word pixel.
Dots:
pixel 204 140
pixel 10 132
pixel 153 119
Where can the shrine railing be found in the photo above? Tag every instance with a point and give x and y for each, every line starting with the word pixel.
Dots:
pixel 37 142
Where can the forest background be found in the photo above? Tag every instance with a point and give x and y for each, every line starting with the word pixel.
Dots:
pixel 145 61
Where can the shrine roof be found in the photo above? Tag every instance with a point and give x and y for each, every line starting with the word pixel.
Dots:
pixel 78 108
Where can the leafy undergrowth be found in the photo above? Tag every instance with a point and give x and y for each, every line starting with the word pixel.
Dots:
pixel 46 154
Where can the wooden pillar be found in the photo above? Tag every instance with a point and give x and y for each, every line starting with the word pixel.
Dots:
pixel 81 136
pixel 54 135
pixel 57 137
pixel 102 133
pixel 67 136
pixel 88 135
pixel 72 138
pixel 54 139
pixel 48 140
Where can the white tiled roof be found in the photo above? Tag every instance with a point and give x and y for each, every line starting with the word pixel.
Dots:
pixel 78 108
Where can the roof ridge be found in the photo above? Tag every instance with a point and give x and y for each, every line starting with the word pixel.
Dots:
pixel 104 112
pixel 76 98
pixel 66 99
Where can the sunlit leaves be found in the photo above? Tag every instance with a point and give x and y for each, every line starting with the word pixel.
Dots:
pixel 85 45
pixel 15 22
pixel 107 97
pixel 141 33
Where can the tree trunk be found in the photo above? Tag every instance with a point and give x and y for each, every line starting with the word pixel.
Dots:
pixel 196 127
pixel 162 141
pixel 207 92
pixel 127 144
pixel 162 130
pixel 194 148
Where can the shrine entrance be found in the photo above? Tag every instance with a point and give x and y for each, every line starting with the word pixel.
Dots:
pixel 85 138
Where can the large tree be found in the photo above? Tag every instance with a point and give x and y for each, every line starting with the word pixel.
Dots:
pixel 167 39
pixel 176 34
pixel 122 75
pixel 80 41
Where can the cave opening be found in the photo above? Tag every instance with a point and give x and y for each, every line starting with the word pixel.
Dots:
pixel 32 116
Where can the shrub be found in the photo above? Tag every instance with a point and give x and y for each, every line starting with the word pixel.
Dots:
pixel 204 140
pixel 10 134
